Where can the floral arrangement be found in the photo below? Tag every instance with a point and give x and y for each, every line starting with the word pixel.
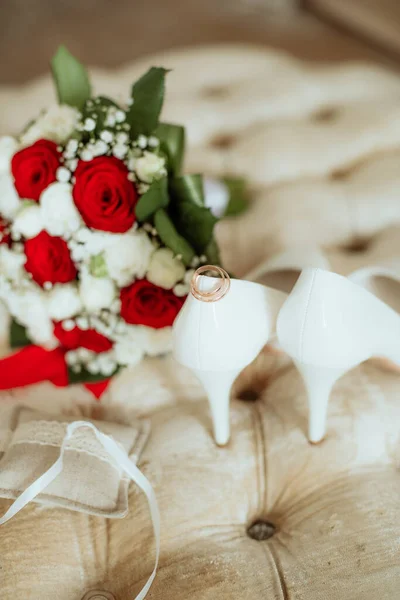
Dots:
pixel 100 232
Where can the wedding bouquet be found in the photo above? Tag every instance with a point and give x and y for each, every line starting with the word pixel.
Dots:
pixel 100 232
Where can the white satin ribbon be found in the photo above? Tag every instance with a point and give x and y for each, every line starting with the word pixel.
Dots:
pixel 122 459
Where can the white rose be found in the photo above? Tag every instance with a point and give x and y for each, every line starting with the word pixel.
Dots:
pixel 57 124
pixel 92 243
pixel 8 147
pixel 9 199
pixel 128 256
pixel 60 215
pixel 157 341
pixel 64 301
pixel 96 292
pixel 150 166
pixel 29 221
pixel 165 270
pixel 11 264
pixel 216 196
pixel 29 307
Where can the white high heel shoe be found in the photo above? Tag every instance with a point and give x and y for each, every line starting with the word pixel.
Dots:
pixel 221 328
pixel 282 270
pixel 328 325
pixel 381 276
pixel 382 280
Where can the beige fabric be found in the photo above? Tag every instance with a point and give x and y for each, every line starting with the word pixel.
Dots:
pixel 90 482
pixel 335 506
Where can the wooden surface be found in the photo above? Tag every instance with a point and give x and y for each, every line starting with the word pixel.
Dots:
pixel 109 33
pixel 376 21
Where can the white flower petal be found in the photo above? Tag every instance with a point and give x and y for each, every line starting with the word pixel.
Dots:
pixel 60 215
pixel 64 302
pixel 29 307
pixel 150 166
pixel 57 124
pixel 96 292
pixel 9 199
pixel 127 256
pixel 165 270
pixel 11 264
pixel 8 147
pixel 29 221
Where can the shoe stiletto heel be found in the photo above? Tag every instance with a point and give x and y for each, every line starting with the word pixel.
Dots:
pixel 218 388
pixel 318 382
pixel 221 329
pixel 328 325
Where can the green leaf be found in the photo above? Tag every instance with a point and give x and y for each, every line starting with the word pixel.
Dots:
pixel 192 219
pixel 85 377
pixel 172 143
pixel 171 238
pixel 212 252
pixel 148 97
pixel 195 223
pixel 18 335
pixel 238 195
pixel 156 197
pixel 70 78
pixel 96 108
pixel 188 188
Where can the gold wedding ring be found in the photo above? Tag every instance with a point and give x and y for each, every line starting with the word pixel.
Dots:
pixel 221 288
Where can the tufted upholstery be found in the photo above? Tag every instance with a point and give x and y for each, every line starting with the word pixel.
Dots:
pixel 321 147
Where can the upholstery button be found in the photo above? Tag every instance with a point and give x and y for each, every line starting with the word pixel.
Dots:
pixel 249 395
pixel 261 530
pixel 98 595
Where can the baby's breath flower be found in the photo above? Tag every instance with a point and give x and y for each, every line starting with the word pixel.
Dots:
pixel 89 124
pixel 106 136
pixel 181 289
pixel 99 148
pixel 63 174
pixel 121 137
pixel 153 141
pixel 71 357
pixel 82 323
pixel 68 324
pixel 142 141
pixel 86 154
pixel 120 116
pixel 195 262
pixel 120 151
pixel 72 164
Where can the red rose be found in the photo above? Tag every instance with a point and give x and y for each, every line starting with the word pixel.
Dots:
pixel 5 236
pixel 143 303
pixel 104 195
pixel 48 259
pixel 77 338
pixel 34 168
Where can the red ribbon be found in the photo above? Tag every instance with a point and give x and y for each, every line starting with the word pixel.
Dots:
pixel 33 364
